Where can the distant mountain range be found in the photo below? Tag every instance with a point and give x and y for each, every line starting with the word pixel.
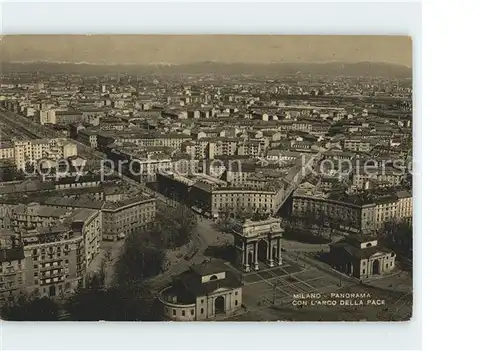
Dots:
pixel 356 69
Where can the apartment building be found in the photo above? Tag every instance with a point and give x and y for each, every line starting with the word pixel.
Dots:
pixel 237 173
pixel 118 218
pixel 303 126
pixel 55 261
pixel 310 205
pixel 282 155
pixel 197 149
pixel 229 201
pixel 47 116
pixel 223 147
pixel 27 217
pixel 48 257
pixel 127 216
pixel 218 201
pixel 252 148
pixel 31 151
pixel 12 265
pixel 397 206
pixel 369 177
pixel 7 151
pixel 141 164
pixel 217 198
pixel 357 145
pixel 88 137
pixel 365 214
pixel 69 117
pixel 173 140
pixel 88 223
pixel 175 187
pixel 145 168
pixel 210 148
pixel 93 115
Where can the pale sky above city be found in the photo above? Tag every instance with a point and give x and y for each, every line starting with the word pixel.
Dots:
pixel 179 49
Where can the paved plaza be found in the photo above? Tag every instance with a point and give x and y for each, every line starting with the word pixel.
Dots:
pixel 279 284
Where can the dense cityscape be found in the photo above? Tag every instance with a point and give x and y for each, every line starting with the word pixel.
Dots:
pixel 205 196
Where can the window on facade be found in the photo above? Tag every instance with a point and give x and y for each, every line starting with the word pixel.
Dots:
pixel 192 312
pixel 183 312
pixel 364 270
pixel 174 312
pixel 201 310
pixel 236 302
pixel 214 277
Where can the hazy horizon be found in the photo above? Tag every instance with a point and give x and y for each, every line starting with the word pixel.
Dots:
pixel 182 49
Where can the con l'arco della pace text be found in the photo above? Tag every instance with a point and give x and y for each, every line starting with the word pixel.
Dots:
pixel 336 299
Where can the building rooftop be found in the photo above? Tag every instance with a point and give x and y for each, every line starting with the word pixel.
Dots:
pixel 356 251
pixel 6 145
pixel 69 202
pixel 210 267
pixel 43 235
pixel 35 209
pixel 114 205
pixel 13 254
pixel 79 179
pixel 188 285
pixel 81 214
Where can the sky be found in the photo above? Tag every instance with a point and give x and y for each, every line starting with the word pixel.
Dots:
pixel 179 49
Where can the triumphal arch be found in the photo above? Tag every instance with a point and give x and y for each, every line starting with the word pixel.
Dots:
pixel 256 241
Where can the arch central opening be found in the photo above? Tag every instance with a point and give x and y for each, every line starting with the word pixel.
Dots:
pixel 262 252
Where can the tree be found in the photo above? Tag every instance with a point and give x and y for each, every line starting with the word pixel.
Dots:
pixel 108 255
pixel 175 227
pixel 31 308
pixel 398 236
pixel 259 215
pixel 143 257
pixel 96 280
pixel 126 301
pixel 295 230
pixel 131 302
pixel 224 211
pixel 312 220
pixel 9 174
pixel 29 168
pixel 184 220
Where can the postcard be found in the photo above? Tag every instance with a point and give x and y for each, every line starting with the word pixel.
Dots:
pixel 206 178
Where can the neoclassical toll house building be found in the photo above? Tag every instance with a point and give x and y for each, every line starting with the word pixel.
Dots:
pixel 206 291
pixel 362 257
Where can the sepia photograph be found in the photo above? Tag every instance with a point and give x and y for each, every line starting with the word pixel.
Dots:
pixel 206 178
